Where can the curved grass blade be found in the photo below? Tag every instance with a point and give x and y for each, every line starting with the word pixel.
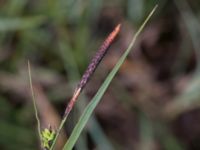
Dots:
pixel 92 105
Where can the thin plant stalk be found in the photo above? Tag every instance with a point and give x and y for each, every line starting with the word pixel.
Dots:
pixel 34 102
pixel 86 76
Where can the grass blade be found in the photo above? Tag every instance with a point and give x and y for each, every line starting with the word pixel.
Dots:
pixel 92 105
pixel 13 24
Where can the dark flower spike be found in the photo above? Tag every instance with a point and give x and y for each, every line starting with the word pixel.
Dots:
pixel 92 67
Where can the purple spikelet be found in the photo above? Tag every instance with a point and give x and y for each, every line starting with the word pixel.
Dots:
pixel 92 67
pixel 98 57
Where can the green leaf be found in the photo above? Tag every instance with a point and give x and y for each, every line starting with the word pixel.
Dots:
pixel 13 24
pixel 92 105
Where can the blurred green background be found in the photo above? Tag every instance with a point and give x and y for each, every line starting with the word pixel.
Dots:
pixel 153 102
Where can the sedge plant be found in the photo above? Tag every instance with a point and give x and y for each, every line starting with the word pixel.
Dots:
pixel 48 137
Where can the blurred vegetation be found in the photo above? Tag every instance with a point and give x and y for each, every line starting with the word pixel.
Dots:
pixel 152 104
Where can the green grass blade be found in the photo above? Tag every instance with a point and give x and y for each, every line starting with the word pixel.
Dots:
pixel 13 24
pixel 92 105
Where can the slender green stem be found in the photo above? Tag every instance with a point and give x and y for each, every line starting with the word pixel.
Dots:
pixel 34 102
pixel 69 107
pixel 58 132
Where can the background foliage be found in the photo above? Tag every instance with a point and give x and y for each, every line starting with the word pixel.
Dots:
pixel 152 104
